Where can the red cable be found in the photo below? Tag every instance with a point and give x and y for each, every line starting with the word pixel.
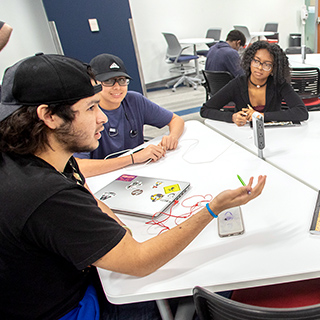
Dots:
pixel 192 210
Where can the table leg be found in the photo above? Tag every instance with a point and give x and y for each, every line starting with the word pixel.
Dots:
pixel 164 309
pixel 185 309
pixel 196 63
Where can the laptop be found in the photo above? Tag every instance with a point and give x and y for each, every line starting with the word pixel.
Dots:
pixel 141 196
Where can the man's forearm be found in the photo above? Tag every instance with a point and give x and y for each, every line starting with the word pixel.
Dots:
pixel 176 126
pixel 5 33
pixel 94 167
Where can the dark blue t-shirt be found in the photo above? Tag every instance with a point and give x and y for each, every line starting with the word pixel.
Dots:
pixel 124 129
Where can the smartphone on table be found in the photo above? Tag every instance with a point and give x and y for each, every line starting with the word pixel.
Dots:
pixel 230 222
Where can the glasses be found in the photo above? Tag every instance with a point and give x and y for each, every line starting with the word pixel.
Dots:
pixel 265 65
pixel 111 82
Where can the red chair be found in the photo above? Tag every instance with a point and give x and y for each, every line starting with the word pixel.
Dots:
pixel 285 295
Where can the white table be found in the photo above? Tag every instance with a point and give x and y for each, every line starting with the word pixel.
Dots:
pixel 260 34
pixel 312 60
pixel 276 246
pixel 195 42
pixel 292 149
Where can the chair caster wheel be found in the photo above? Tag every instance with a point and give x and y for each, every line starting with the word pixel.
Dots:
pixel 173 89
pixel 195 88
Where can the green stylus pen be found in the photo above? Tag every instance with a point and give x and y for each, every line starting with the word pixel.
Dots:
pixel 242 182
pixel 240 179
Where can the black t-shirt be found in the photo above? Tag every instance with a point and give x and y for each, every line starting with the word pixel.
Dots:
pixel 45 255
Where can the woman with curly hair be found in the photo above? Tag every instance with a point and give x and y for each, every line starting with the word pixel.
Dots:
pixel 264 86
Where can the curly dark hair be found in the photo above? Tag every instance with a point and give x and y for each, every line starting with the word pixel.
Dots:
pixel 281 69
pixel 23 132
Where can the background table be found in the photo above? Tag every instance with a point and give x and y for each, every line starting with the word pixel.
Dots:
pixel 260 34
pixel 276 246
pixel 292 149
pixel 312 60
pixel 195 42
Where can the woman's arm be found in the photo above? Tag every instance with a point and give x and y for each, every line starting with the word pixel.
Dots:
pixel 211 109
pixel 296 111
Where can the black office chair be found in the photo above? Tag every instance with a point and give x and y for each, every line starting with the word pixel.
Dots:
pixel 297 50
pixel 213 306
pixel 305 82
pixel 214 81
pixel 273 27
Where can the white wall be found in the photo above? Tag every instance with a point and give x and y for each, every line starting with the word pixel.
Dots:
pixel 185 18
pixel 30 31
pixel 189 18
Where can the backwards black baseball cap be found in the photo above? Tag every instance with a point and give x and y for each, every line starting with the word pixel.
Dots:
pixel 106 66
pixel 44 79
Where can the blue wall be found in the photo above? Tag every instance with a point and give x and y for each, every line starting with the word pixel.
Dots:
pixel 71 18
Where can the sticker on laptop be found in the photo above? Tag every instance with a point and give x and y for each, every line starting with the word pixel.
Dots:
pixel 107 195
pixel 172 188
pixel 156 197
pixel 134 185
pixel 136 192
pixel 126 177
pixel 157 184
pixel 168 197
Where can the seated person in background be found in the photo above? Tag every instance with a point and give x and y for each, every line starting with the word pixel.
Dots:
pixel 53 232
pixel 127 112
pixel 262 89
pixel 224 56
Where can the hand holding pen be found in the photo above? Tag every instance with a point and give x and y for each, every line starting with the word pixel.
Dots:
pixel 249 111
pixel 240 118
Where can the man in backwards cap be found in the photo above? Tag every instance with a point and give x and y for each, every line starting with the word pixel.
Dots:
pixel 53 232
pixel 127 113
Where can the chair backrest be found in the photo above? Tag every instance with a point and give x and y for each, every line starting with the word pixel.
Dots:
pixel 211 305
pixel 174 47
pixel 214 33
pixel 215 80
pixel 245 31
pixel 271 26
pixel 297 50
pixel 305 81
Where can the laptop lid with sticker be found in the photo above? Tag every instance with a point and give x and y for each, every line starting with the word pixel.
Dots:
pixel 141 196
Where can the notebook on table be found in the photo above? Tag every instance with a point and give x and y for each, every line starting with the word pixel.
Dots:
pixel 141 196
pixel 278 124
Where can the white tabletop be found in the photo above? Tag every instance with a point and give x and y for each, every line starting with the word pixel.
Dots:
pixel 196 40
pixel 292 149
pixel 312 60
pixel 275 247
pixel 261 33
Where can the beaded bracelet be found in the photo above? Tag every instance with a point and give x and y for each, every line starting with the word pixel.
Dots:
pixel 210 211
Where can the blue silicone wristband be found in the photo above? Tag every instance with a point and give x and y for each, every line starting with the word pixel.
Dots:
pixel 210 211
